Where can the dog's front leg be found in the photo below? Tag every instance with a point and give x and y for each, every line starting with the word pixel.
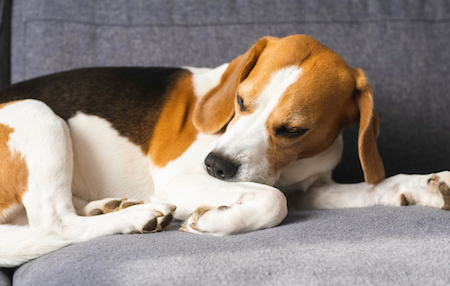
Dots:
pixel 215 207
pixel 400 190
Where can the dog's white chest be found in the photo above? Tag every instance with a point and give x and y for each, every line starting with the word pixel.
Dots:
pixel 107 164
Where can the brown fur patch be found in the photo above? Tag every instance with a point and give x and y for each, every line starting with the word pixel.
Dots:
pixel 13 172
pixel 216 108
pixel 369 157
pixel 175 131
pixel 7 103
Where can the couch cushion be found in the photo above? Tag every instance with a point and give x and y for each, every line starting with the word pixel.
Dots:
pixel 370 246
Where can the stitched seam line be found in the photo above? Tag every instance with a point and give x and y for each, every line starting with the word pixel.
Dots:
pixel 359 22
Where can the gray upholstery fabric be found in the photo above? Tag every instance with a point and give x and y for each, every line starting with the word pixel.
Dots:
pixel 5 277
pixel 371 246
pixel 77 33
pixel 404 48
pixel 5 42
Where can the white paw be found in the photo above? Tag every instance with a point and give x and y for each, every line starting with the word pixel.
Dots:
pixel 150 217
pixel 213 221
pixel 435 192
pixel 441 183
pixel 136 217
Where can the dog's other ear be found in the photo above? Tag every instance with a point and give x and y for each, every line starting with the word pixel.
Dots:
pixel 368 131
pixel 216 108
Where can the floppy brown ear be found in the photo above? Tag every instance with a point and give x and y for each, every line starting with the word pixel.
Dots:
pixel 216 108
pixel 368 131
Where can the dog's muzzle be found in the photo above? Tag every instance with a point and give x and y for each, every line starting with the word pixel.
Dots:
pixel 220 167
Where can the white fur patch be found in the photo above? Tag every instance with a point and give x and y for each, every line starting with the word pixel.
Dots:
pixel 107 164
pixel 296 175
pixel 190 162
pixel 204 79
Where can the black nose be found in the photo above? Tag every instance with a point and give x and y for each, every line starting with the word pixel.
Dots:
pixel 220 167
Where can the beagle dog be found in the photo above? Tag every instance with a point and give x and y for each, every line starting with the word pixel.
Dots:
pixel 98 151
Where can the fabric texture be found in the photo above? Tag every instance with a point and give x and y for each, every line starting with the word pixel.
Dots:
pixel 403 47
pixel 5 277
pixel 370 246
pixel 5 42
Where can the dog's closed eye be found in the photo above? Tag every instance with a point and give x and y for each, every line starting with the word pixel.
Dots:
pixel 240 102
pixel 290 132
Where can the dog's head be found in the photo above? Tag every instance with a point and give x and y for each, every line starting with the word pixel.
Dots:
pixel 284 100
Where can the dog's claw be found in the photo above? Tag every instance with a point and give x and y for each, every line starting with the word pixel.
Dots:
pixel 194 226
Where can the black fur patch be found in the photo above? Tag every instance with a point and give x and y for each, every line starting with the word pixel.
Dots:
pixel 131 99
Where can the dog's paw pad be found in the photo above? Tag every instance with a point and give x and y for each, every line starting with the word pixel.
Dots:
pixel 404 201
pixel 445 190
pixel 109 205
pixel 438 185
pixel 95 212
pixel 161 215
pixel 165 221
pixel 112 206
pixel 128 204
pixel 150 226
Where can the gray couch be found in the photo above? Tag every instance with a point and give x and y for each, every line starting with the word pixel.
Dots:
pixel 404 48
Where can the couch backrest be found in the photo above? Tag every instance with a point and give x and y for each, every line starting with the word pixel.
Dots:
pixel 403 46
